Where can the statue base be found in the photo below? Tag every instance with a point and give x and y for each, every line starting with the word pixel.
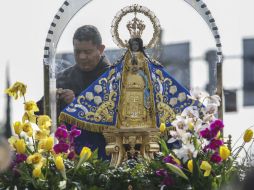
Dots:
pixel 128 143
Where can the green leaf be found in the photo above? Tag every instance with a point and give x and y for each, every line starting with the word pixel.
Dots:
pixel 176 170
pixel 196 170
pixel 164 147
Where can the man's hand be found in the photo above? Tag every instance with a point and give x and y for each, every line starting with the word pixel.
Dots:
pixel 66 95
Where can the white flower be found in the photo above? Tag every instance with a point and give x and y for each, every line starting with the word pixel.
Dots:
pixel 98 89
pixel 191 111
pixel 179 122
pixel 197 94
pixel 89 96
pixel 62 184
pixel 182 96
pixel 210 109
pixel 97 100
pixel 208 118
pixel 173 101
pixel 214 99
pixel 173 89
pixel 186 152
pixel 180 134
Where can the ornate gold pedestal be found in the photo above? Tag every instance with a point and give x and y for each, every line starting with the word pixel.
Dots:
pixel 129 142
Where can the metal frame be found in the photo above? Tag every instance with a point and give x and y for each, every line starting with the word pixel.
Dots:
pixel 66 13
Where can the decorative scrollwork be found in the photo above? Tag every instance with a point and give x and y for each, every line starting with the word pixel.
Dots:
pixel 135 9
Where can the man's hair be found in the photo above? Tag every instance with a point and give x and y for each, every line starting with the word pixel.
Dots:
pixel 87 33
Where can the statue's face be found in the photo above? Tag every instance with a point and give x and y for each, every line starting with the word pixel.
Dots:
pixel 134 68
pixel 135 46
pixel 87 54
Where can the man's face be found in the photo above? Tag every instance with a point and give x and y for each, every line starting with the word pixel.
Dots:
pixel 87 54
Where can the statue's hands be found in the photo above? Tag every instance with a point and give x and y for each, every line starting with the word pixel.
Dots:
pixel 66 95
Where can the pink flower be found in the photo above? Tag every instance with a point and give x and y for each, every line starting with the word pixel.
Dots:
pixel 215 144
pixel 61 133
pixel 216 126
pixel 216 158
pixel 71 155
pixel 207 134
pixel 74 133
pixel 61 147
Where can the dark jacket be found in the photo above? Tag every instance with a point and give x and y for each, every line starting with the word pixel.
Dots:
pixel 77 80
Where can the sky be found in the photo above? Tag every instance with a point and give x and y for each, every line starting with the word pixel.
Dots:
pixel 24 27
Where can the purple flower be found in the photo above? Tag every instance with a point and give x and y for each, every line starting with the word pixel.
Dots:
pixel 171 160
pixel 63 126
pixel 168 181
pixel 216 126
pixel 61 147
pixel 20 158
pixel 61 133
pixel 215 144
pixel 71 155
pixel 207 134
pixel 74 133
pixel 216 158
pixel 161 172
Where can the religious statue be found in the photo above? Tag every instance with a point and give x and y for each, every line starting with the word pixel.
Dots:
pixel 135 105
pixel 130 100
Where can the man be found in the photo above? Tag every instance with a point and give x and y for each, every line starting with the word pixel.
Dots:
pixel 90 64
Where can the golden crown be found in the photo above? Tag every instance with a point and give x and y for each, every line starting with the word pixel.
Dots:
pixel 136 27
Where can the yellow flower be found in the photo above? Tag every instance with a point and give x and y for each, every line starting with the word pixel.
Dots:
pixel 59 163
pixel 41 134
pixel 31 107
pixel 37 171
pixel 44 122
pixel 84 156
pixel 224 152
pixel 29 117
pixel 86 153
pixel 12 140
pixel 20 146
pixel 27 127
pixel 34 159
pixel 17 127
pixel 248 135
pixel 207 167
pixel 17 90
pixel 190 125
pixel 190 165
pixel 162 127
pixel 47 143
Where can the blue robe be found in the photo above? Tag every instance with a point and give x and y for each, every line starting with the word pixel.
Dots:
pixel 97 106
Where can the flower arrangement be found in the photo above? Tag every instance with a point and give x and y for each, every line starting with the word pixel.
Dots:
pixel 38 162
pixel 193 154
pixel 198 152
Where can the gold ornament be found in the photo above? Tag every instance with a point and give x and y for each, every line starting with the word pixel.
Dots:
pixel 135 26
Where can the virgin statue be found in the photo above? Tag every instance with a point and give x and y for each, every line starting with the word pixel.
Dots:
pixel 135 92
